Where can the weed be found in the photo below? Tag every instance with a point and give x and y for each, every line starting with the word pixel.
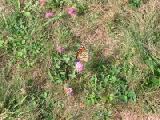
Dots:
pixel 135 3
pixel 62 68
pixel 102 115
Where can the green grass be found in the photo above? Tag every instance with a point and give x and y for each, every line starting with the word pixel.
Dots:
pixel 33 73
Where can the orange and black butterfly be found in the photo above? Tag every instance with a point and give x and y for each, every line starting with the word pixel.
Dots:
pixel 82 54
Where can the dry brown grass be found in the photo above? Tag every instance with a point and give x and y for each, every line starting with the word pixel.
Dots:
pixel 134 112
pixel 5 9
pixel 127 115
pixel 95 32
pixel 92 29
pixel 2 5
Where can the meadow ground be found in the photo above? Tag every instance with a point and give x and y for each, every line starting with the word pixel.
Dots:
pixel 41 79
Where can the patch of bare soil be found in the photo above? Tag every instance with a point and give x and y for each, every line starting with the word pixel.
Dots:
pixel 129 115
pixel 4 8
pixel 77 110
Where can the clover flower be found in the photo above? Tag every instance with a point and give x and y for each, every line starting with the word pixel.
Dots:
pixel 49 14
pixel 72 11
pixel 60 49
pixel 68 90
pixel 42 2
pixel 79 67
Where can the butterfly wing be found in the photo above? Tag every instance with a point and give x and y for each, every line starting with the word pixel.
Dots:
pixel 80 50
pixel 82 55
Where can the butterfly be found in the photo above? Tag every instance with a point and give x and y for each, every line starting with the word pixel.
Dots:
pixel 82 54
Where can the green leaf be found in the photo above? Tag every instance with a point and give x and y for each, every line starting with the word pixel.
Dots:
pixel 62 73
pixel 50 75
pixel 1 43
pixel 156 82
pixel 150 63
pixel 125 98
pixel 27 14
pixel 66 58
pixel 57 66
pixel 73 75
pixel 132 96
pixel 111 97
pixel 45 94
pixel 135 3
pixel 20 54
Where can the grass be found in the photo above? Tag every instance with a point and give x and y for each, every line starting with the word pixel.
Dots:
pixel 33 73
